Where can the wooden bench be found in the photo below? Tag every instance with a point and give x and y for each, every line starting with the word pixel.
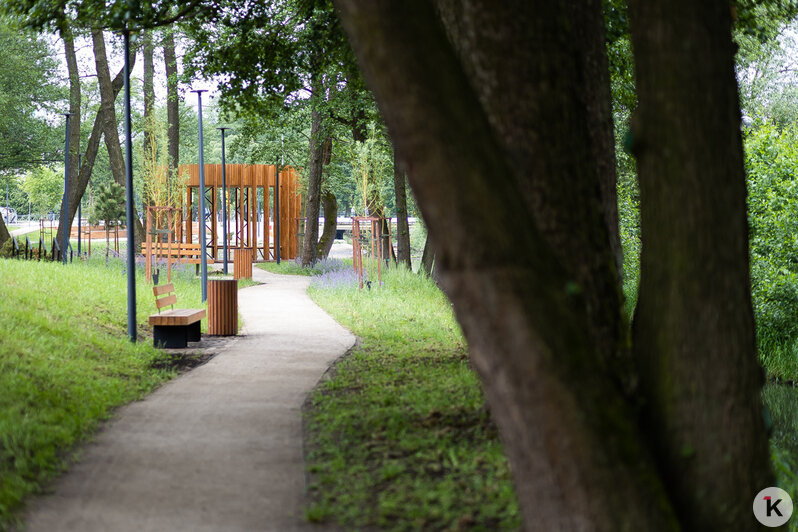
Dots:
pixel 189 252
pixel 176 327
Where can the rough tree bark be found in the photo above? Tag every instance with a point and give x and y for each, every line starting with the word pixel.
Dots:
pixel 329 203
pixel 503 120
pixel 89 156
pixel 149 96
pixel 4 234
pixel 109 126
pixel 694 327
pixel 172 101
pixel 315 164
pixel 74 129
pixel 402 227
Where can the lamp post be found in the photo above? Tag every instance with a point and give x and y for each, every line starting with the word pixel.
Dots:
pixel 80 204
pixel 224 201
pixel 65 209
pixel 130 213
pixel 203 258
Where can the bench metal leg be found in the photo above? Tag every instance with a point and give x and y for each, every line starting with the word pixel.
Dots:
pixel 194 333
pixel 170 336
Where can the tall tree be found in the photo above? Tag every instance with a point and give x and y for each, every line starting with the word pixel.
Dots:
pixel 109 124
pixel 694 327
pixel 313 203
pixel 172 101
pixel 504 122
pixel 402 226
pixel 28 74
pixel 74 124
pixel 148 50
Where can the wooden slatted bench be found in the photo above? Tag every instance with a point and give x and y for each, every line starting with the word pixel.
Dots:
pixel 174 328
pixel 180 252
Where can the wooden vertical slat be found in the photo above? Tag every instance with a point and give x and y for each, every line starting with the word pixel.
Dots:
pixel 222 307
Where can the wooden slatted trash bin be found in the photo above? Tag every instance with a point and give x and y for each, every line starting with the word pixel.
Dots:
pixel 222 307
pixel 242 263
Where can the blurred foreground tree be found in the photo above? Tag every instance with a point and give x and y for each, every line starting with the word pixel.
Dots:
pixel 502 114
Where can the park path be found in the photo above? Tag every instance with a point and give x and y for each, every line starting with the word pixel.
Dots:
pixel 220 447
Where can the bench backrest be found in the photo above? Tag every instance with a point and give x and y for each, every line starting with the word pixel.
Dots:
pixel 164 295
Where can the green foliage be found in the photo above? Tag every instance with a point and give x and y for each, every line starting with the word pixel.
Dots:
pixel 372 167
pixel 782 403
pixel 110 206
pixel 45 188
pixel 399 436
pixel 66 363
pixel 772 165
pixel 29 91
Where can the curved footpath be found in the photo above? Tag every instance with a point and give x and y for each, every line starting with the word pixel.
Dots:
pixel 216 449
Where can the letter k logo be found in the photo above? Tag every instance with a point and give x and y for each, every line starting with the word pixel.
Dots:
pixel 772 506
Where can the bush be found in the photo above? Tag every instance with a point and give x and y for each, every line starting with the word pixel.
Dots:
pixel 772 166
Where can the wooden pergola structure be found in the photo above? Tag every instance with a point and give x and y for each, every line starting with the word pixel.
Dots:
pixel 251 208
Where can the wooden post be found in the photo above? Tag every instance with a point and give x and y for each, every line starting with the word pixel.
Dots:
pixel 222 307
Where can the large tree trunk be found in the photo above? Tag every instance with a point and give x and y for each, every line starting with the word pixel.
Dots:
pixel 330 205
pixel 89 156
pixel 172 102
pixel 505 129
pixel 74 132
pixel 110 130
pixel 402 227
pixel 694 326
pixel 149 100
pixel 315 166
pixel 4 234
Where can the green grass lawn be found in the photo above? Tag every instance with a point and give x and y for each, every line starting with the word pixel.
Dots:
pixel 66 363
pixel 399 435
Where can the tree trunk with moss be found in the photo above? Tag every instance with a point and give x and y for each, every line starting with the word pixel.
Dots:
pixel 502 115
pixel 693 331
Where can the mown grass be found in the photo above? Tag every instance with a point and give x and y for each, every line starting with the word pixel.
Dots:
pixel 399 435
pixel 66 362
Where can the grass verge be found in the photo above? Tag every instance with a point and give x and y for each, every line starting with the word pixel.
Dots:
pixel 66 362
pixel 399 436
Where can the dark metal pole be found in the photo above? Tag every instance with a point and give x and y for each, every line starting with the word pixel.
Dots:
pixel 80 204
pixel 203 258
pixel 65 213
pixel 224 200
pixel 130 213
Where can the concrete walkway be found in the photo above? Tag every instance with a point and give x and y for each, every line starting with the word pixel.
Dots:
pixel 217 449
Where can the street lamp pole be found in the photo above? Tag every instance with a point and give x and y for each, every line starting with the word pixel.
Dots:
pixel 130 212
pixel 203 257
pixel 224 201
pixel 80 204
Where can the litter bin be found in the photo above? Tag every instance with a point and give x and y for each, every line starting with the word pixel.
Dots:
pixel 222 307
pixel 242 263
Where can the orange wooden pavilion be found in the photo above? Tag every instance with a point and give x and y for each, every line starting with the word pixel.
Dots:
pixel 251 208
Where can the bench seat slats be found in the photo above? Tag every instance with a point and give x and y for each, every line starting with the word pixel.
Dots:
pixel 184 316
